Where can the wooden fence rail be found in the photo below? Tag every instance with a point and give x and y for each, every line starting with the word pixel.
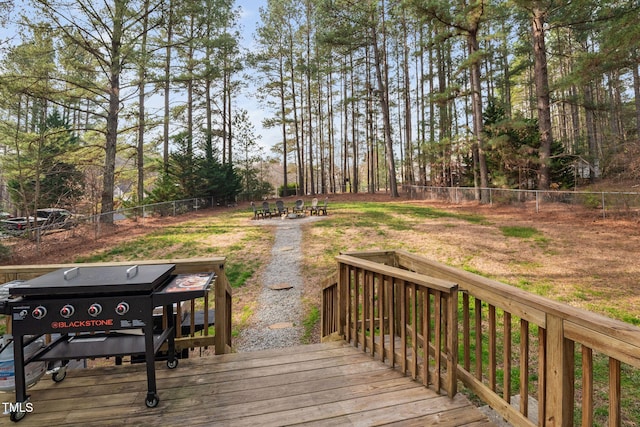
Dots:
pixel 222 337
pixel 511 343
pixel 404 319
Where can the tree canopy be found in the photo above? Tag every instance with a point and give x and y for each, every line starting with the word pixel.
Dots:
pixel 366 95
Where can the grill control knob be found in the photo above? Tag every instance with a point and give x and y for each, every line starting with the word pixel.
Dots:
pixel 122 308
pixel 39 312
pixel 67 311
pixel 94 309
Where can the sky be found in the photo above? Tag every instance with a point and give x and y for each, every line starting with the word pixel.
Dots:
pixel 249 19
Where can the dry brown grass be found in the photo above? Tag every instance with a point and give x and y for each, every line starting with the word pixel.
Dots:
pixel 578 257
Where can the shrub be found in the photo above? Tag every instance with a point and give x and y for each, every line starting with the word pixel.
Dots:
pixel 290 190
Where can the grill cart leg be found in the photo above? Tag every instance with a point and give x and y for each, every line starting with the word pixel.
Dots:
pixel 20 381
pixel 152 399
pixel 172 361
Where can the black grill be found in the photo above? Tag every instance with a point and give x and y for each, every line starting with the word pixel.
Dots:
pixel 98 312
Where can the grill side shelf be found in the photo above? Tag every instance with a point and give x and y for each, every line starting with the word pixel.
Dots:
pixel 184 287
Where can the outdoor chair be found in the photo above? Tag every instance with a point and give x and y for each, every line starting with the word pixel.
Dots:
pixel 299 206
pixel 257 212
pixel 266 210
pixel 323 208
pixel 313 209
pixel 281 208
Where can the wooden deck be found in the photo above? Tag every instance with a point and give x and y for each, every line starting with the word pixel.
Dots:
pixel 324 384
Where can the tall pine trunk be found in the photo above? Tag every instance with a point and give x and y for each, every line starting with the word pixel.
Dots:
pixel 476 107
pixel 636 91
pixel 386 117
pixel 167 88
pixel 141 104
pixel 108 183
pixel 541 78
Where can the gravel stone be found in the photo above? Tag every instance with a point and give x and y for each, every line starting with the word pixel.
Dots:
pixel 277 322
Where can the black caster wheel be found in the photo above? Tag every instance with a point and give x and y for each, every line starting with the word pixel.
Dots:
pixel 16 416
pixel 172 364
pixel 59 375
pixel 152 400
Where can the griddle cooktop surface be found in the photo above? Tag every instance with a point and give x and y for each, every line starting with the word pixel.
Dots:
pixel 79 281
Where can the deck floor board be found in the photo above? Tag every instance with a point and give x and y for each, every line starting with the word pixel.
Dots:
pixel 329 384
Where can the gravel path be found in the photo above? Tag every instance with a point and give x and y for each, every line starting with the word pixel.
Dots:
pixel 278 320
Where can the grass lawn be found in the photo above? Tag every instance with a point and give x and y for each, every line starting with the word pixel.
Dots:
pixel 584 261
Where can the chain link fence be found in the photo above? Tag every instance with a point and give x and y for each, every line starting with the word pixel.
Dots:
pixel 607 204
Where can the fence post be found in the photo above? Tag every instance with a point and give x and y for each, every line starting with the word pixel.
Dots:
pixel 604 213
pixel 537 201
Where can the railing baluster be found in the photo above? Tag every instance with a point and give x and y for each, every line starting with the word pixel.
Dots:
pixel 437 336
pixel 492 347
pixel 478 331
pixel 414 332
pixel 381 313
pixel 587 386
pixel 451 352
pixel 364 307
pixel 466 331
pixel 372 311
pixel 615 397
pixel 524 367
pixel 392 320
pixel 542 368
pixel 345 283
pixel 403 325
pixel 506 357
pixel 356 307
pixel 426 333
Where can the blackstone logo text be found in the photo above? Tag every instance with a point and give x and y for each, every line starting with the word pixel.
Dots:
pixel 82 323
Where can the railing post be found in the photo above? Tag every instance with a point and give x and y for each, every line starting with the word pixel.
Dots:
pixel 559 372
pixel 222 336
pixel 343 289
pixel 452 343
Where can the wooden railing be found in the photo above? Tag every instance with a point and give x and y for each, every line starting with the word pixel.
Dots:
pixel 405 319
pixel 222 337
pixel 512 342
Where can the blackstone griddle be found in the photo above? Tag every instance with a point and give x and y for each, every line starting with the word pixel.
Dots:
pixel 96 312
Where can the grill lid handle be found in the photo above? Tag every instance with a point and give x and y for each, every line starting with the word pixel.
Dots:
pixel 67 274
pixel 132 271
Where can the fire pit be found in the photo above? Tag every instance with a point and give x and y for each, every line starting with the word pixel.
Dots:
pixel 95 310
